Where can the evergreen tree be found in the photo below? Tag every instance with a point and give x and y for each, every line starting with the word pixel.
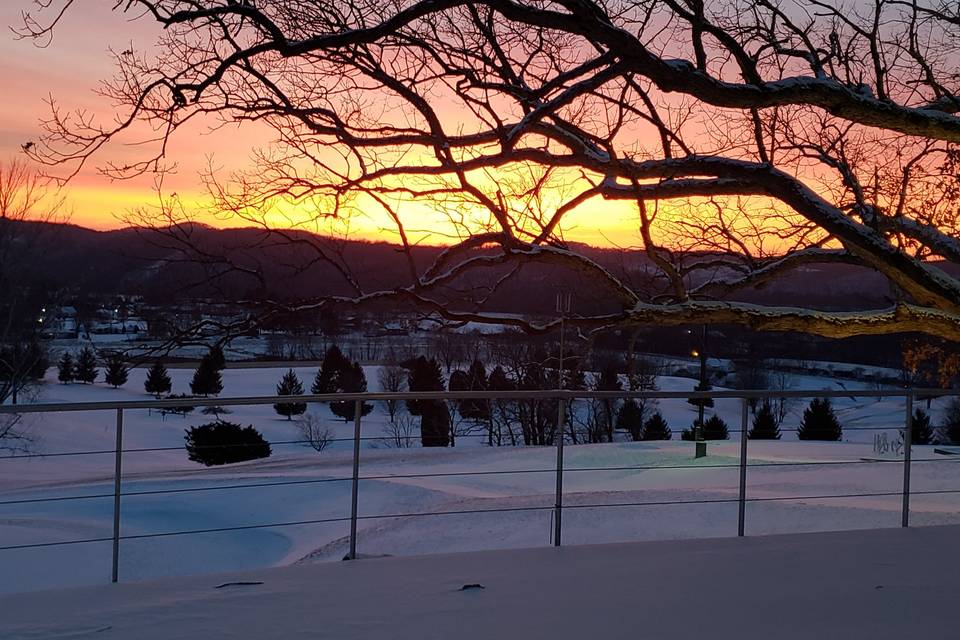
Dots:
pixel 435 424
pixel 66 368
pixel 473 380
pixel 217 358
pixel 425 375
pixel 206 379
pixel 86 369
pixel 690 433
pixel 655 428
pixel 290 385
pixel 920 430
pixel 37 356
pixel 158 380
pixel 715 429
pixel 351 380
pixel 476 409
pixel 630 418
pixel 706 402
pixel 608 380
pixel 949 431
pixel 764 423
pixel 820 422
pixel 117 372
pixel 328 376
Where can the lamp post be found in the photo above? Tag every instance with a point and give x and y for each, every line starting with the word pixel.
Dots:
pixel 700 444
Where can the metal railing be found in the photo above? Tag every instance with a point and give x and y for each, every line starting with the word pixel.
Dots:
pixel 561 396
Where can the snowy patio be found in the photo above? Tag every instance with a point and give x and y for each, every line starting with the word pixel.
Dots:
pixel 891 583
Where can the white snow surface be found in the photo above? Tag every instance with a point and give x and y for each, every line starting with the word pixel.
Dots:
pixel 876 585
pixel 410 511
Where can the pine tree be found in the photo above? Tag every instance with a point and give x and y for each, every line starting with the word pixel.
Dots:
pixel 820 422
pixel 476 409
pixel 949 431
pixel 206 379
pixel 472 380
pixel 117 372
pixel 655 428
pixel 328 376
pixel 66 368
pixel 630 418
pixel 86 369
pixel 38 358
pixel 351 380
pixel 608 380
pixel 435 424
pixel 715 429
pixel 290 385
pixel 920 430
pixel 216 357
pixel 158 380
pixel 706 402
pixel 764 423
pixel 425 375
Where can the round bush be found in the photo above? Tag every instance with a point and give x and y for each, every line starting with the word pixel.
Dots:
pixel 223 442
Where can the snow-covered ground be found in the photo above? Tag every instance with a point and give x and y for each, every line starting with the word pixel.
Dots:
pixel 879 585
pixel 306 487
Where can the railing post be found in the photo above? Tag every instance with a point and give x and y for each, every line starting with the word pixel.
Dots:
pixel 117 470
pixel 742 514
pixel 357 412
pixel 907 440
pixel 558 502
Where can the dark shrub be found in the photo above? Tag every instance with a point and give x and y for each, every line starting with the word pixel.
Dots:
pixel 224 442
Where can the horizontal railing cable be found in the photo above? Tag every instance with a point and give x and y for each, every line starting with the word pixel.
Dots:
pixel 645 503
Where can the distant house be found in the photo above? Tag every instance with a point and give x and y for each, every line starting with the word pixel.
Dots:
pixel 129 325
pixel 62 325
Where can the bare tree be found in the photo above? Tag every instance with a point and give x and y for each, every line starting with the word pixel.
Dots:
pixel 392 378
pixel 401 431
pixel 749 138
pixel 314 432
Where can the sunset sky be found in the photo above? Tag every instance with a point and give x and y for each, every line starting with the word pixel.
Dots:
pixel 78 58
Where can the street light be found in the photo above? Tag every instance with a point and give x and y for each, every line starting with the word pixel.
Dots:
pixel 701 353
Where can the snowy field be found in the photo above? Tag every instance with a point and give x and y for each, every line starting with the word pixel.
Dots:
pixel 402 503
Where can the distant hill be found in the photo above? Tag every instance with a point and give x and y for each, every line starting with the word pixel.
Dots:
pixel 136 261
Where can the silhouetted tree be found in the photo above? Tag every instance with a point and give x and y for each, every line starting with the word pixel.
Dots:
pixel 66 368
pixel 764 425
pixel 630 418
pixel 117 372
pixel 605 409
pixel 655 428
pixel 351 380
pixel 949 431
pixel 820 422
pixel 290 385
pixel 86 369
pixel 206 379
pixel 920 430
pixel 158 380
pixel 334 365
pixel 217 358
pixel 715 429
